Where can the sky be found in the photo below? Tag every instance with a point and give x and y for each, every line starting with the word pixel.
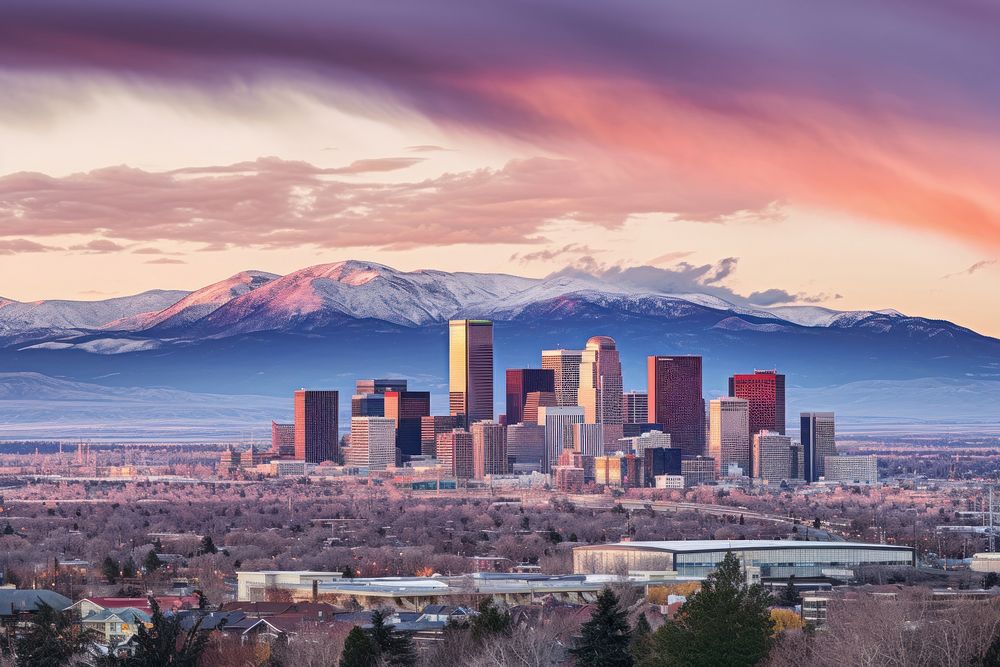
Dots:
pixel 778 152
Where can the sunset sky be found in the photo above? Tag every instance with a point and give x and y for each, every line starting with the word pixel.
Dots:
pixel 843 154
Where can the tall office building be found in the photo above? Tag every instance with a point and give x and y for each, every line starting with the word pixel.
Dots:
pixel 729 439
pixel 772 457
pixel 316 425
pixel 765 393
pixel 470 369
pixel 698 470
pixel 433 425
pixel 521 382
pixel 489 449
pixel 379 386
pixel 635 407
pixel 588 439
pixel 565 366
pixel 558 421
pixel 659 461
pixel 526 444
pixel 535 400
pixel 818 436
pixel 373 443
pixel 406 408
pixel 676 401
pixel 368 405
pixel 600 393
pixel 282 439
pixel 454 451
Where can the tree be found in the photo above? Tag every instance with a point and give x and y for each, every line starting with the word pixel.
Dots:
pixel 490 621
pixel 166 643
pixel 110 569
pixel 991 579
pixel 128 568
pixel 395 648
pixel 727 623
pixel 789 595
pixel 359 650
pixel 605 637
pixel 152 562
pixel 641 646
pixel 51 640
pixel 207 545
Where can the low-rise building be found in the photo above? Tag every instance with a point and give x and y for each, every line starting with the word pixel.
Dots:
pixel 851 469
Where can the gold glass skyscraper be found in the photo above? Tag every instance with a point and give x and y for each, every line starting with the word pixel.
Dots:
pixel 470 369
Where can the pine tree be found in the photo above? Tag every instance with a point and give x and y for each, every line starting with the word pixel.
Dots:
pixel 605 637
pixel 641 646
pixel 359 650
pixel 128 568
pixel 152 562
pixel 490 621
pixel 110 569
pixel 207 545
pixel 725 624
pixel 380 633
pixel 51 640
pixel 165 643
pixel 790 595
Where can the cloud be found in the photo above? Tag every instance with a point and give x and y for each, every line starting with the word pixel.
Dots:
pixel 670 257
pixel 427 148
pixel 273 203
pixel 165 260
pixel 551 253
pixel 18 246
pixel 841 106
pixel 148 251
pixel 685 278
pixel 97 246
pixel 972 269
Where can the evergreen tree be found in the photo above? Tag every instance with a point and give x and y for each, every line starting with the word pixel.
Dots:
pixel 490 621
pixel 359 650
pixel 166 644
pixel 790 595
pixel 641 646
pixel 991 579
pixel 207 545
pixel 605 637
pixel 51 640
pixel 152 562
pixel 110 569
pixel 128 568
pixel 8 529
pixel 725 624
pixel 380 633
pixel 402 650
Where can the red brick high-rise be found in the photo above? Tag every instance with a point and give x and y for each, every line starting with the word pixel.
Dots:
pixel 316 425
pixel 521 382
pixel 676 401
pixel 765 392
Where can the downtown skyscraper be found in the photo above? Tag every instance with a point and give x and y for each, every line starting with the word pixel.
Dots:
pixel 765 393
pixel 520 383
pixel 317 424
pixel 676 401
pixel 818 436
pixel 565 365
pixel 729 436
pixel 600 393
pixel 470 369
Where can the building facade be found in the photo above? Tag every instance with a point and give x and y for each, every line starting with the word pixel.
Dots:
pixel 282 439
pixel 772 457
pixel 818 436
pixel 558 421
pixel 851 469
pixel 565 366
pixel 521 382
pixel 489 449
pixel 407 409
pixel 373 443
pixel 698 470
pixel 600 393
pixel 526 444
pixel 635 407
pixel 454 451
pixel 470 374
pixel 317 425
pixel 433 425
pixel 676 401
pixel 764 392
pixel 729 439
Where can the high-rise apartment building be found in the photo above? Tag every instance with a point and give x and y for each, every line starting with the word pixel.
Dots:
pixel 729 439
pixel 635 407
pixel 764 391
pixel 316 425
pixel 406 409
pixel 600 393
pixel 818 436
pixel 373 443
pixel 772 457
pixel 558 421
pixel 470 369
pixel 433 425
pixel 565 366
pixel 521 382
pixel 676 401
pixel 282 439
pixel 489 449
pixel 454 451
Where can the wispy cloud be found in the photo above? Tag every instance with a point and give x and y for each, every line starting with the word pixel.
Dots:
pixel 978 266
pixel 18 246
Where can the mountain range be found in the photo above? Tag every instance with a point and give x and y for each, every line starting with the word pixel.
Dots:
pixel 262 334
